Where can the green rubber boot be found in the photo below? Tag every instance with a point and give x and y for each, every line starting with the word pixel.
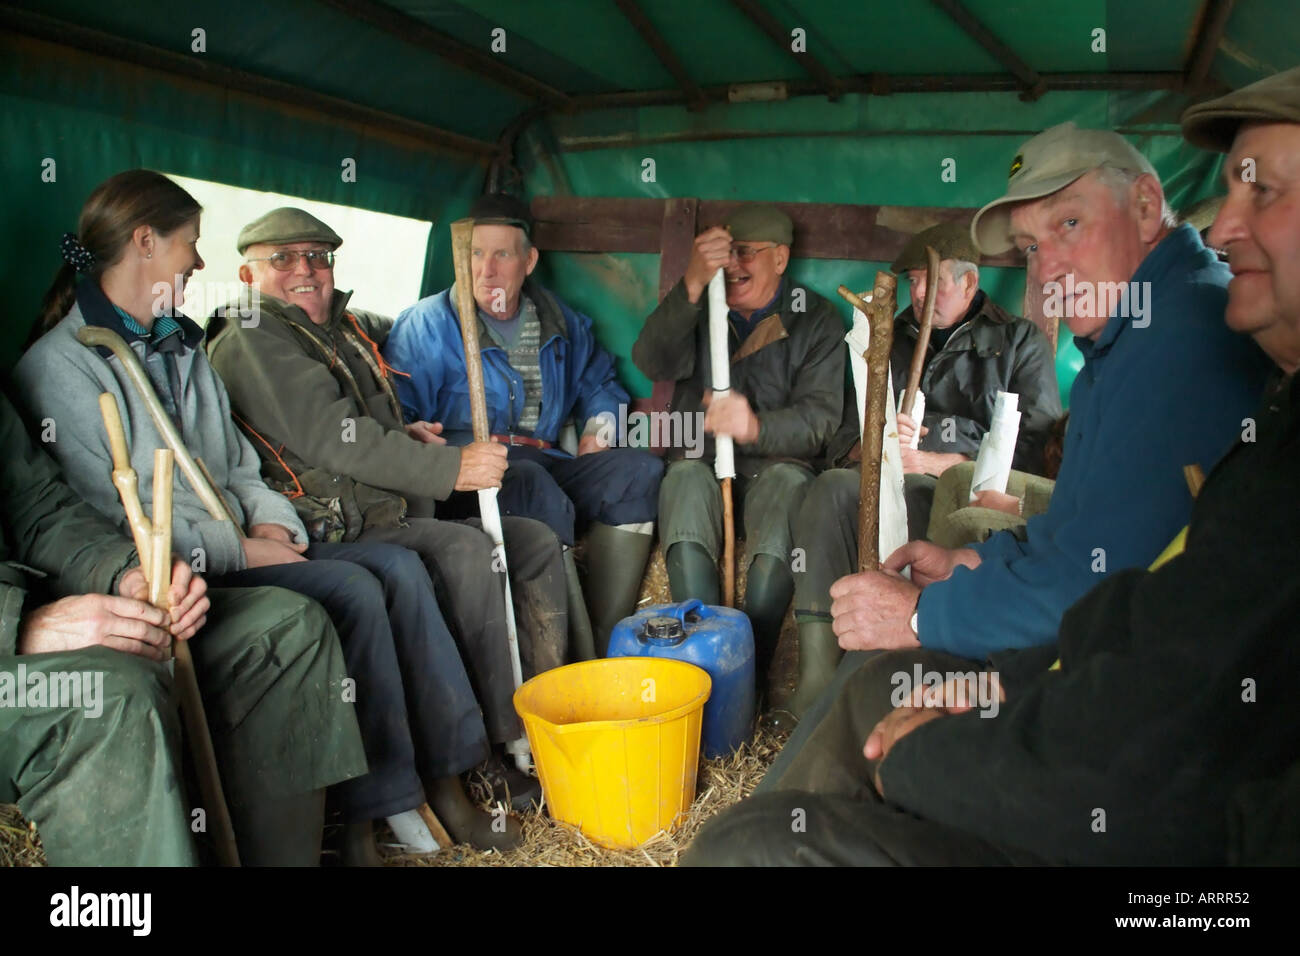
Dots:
pixel 692 573
pixel 616 560
pixel 768 590
pixel 819 655
pixel 582 645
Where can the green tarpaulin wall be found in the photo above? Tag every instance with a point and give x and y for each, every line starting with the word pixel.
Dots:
pixel 93 116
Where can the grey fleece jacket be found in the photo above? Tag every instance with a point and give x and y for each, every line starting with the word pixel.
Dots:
pixel 60 379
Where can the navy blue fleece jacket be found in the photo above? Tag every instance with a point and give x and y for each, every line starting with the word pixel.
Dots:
pixel 1155 393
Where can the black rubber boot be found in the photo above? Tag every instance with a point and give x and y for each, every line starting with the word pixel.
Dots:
pixel 692 573
pixel 769 587
pixel 283 832
pixel 582 645
pixel 467 823
pixel 819 655
pixel 616 560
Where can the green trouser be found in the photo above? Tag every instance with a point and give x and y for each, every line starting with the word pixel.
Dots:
pixel 826 534
pixel 824 809
pixel 955 524
pixel 690 507
pixel 101 780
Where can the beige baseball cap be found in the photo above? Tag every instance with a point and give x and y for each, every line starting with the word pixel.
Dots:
pixel 1050 161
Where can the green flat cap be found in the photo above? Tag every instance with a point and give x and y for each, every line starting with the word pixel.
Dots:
pixel 285 225
pixel 1213 125
pixel 1050 161
pixel 950 239
pixel 761 224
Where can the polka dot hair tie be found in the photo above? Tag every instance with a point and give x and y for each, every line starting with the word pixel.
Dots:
pixel 75 254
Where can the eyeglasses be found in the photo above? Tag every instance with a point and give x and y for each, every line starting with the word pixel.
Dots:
pixel 287 260
pixel 747 253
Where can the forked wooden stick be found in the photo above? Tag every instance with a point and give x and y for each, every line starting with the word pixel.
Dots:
pixel 153 543
pixel 880 313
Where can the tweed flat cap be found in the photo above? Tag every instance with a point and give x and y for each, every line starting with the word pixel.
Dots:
pixel 284 225
pixel 761 224
pixel 950 239
pixel 1274 99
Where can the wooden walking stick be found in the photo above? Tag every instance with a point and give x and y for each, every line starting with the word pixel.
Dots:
pixel 205 487
pixel 153 542
pixel 462 249
pixel 880 312
pixel 724 456
pixel 923 336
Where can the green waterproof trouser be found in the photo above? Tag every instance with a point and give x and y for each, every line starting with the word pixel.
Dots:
pixel 690 507
pixel 826 534
pixel 824 810
pixel 955 524
pixel 102 780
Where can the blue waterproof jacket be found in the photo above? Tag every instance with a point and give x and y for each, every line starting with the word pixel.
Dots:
pixel 578 375
pixel 1154 394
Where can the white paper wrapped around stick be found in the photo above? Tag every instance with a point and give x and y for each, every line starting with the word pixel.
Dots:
pixel 490 516
pixel 724 458
pixel 893 505
pixel 997 447
pixel 917 416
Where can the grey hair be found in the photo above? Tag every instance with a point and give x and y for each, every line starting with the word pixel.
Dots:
pixel 1120 180
pixel 959 267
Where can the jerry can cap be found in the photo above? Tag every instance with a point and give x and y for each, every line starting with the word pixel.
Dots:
pixel 664 629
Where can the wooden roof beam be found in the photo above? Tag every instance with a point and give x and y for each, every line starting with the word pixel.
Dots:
pixel 781 37
pixel 878 84
pixel 695 98
pixel 1214 19
pixel 420 34
pixel 145 55
pixel 1029 78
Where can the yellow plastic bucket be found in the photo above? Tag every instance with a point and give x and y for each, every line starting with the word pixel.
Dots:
pixel 616 743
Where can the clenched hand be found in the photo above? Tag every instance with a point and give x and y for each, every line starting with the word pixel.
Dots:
pixel 482 465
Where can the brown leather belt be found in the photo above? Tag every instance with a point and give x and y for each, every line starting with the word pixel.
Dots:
pixel 522 440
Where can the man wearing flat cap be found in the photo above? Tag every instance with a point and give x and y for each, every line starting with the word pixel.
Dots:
pixel 976 350
pixel 787 390
pixel 542 367
pixel 1138 737
pixel 309 385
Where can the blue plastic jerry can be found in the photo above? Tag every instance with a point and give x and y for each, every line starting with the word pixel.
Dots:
pixel 717 639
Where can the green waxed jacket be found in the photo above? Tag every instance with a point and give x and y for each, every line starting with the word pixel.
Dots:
pixel 790 368
pixel 47 530
pixel 322 407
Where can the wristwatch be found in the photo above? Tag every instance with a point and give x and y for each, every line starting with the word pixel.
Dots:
pixel 916 615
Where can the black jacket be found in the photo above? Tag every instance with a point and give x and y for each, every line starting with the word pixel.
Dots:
pixel 1177 690
pixel 991 351
pixel 790 368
